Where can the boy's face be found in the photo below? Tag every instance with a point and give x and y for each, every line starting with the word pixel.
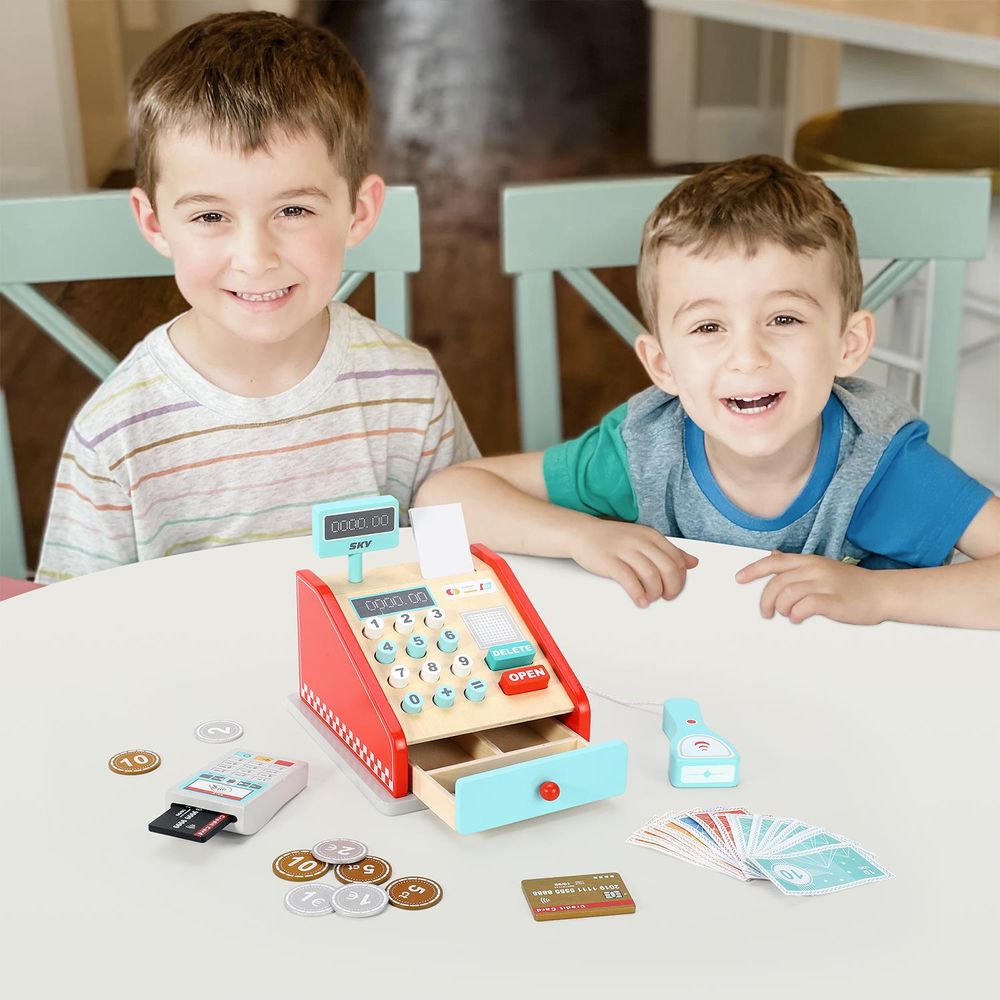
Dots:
pixel 257 241
pixel 751 345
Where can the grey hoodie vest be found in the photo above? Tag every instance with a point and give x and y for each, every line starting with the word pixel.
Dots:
pixel 670 499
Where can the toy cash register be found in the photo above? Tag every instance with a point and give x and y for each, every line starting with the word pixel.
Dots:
pixel 451 687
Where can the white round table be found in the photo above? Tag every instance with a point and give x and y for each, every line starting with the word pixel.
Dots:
pixel 885 735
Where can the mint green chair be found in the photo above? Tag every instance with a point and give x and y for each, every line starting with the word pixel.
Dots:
pixel 90 236
pixel 571 227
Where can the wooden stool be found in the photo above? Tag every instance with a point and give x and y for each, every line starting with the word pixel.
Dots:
pixel 903 138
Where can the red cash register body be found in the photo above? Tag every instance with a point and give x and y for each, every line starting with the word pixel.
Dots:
pixel 338 686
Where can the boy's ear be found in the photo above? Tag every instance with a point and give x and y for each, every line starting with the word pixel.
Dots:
pixel 653 359
pixel 367 206
pixel 856 342
pixel 145 219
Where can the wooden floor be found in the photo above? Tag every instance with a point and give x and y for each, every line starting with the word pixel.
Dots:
pixel 469 95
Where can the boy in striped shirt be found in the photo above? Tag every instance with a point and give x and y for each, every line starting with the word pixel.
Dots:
pixel 228 423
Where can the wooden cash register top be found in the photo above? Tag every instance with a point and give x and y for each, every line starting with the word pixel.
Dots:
pixel 465 716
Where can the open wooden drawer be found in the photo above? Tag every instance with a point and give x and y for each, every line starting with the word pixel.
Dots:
pixel 482 780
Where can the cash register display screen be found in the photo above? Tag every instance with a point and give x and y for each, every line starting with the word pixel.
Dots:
pixel 393 602
pixel 359 522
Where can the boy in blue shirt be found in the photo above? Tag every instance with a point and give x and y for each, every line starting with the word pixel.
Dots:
pixel 755 431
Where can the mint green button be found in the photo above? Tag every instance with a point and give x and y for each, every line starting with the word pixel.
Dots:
pixel 444 696
pixel 448 641
pixel 475 690
pixel 417 646
pixel 385 651
pixel 413 703
pixel 510 654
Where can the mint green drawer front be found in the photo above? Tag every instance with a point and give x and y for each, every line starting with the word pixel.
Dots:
pixel 510 794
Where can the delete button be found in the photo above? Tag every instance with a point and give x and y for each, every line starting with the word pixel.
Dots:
pixel 524 679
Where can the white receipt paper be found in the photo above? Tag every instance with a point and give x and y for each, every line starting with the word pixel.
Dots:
pixel 442 543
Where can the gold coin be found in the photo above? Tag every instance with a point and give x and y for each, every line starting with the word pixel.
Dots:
pixel 371 869
pixel 134 762
pixel 416 893
pixel 299 866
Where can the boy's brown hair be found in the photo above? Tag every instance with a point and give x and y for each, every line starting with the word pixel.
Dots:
pixel 243 75
pixel 742 204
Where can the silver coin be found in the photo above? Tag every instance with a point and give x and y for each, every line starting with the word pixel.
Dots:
pixel 314 900
pixel 360 900
pixel 340 852
pixel 219 731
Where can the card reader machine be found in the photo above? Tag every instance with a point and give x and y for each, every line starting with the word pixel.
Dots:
pixel 239 792
pixel 450 688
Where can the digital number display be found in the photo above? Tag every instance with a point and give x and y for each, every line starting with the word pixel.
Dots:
pixel 393 602
pixel 361 522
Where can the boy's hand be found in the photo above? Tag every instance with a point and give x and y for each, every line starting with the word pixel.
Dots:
pixel 802 586
pixel 639 558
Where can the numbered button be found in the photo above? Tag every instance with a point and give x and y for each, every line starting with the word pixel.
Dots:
pixel 448 640
pixel 399 677
pixel 475 690
pixel 403 623
pixel 431 672
pixel 374 628
pixel 417 646
pixel 444 696
pixel 461 666
pixel 386 652
pixel 434 618
pixel 413 703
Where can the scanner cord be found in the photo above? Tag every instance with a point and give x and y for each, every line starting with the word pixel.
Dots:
pixel 655 709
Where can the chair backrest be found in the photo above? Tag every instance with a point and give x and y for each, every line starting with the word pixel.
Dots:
pixel 571 227
pixel 91 236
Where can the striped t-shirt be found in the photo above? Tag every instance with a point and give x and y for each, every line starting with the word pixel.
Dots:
pixel 160 460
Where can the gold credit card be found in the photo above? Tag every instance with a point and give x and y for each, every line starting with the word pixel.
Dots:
pixel 600 895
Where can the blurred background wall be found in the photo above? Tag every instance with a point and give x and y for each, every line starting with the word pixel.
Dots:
pixel 469 95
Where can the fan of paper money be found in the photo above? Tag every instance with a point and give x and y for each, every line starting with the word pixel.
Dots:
pixel 799 858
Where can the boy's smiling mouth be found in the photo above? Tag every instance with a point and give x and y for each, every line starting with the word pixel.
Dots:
pixel 751 405
pixel 278 293
pixel 263 302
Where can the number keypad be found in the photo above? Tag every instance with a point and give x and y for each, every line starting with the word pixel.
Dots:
pixel 433 675
pixel 436 672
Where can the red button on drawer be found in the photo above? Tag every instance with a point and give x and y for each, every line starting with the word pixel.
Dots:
pixel 523 679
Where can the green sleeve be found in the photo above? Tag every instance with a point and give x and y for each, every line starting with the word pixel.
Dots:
pixel 591 473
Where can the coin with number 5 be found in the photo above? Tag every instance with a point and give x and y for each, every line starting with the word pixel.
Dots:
pixel 414 893
pixel 370 870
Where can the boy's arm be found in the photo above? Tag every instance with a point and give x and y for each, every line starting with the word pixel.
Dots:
pixel 965 595
pixel 446 438
pixel 90 525
pixel 506 506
